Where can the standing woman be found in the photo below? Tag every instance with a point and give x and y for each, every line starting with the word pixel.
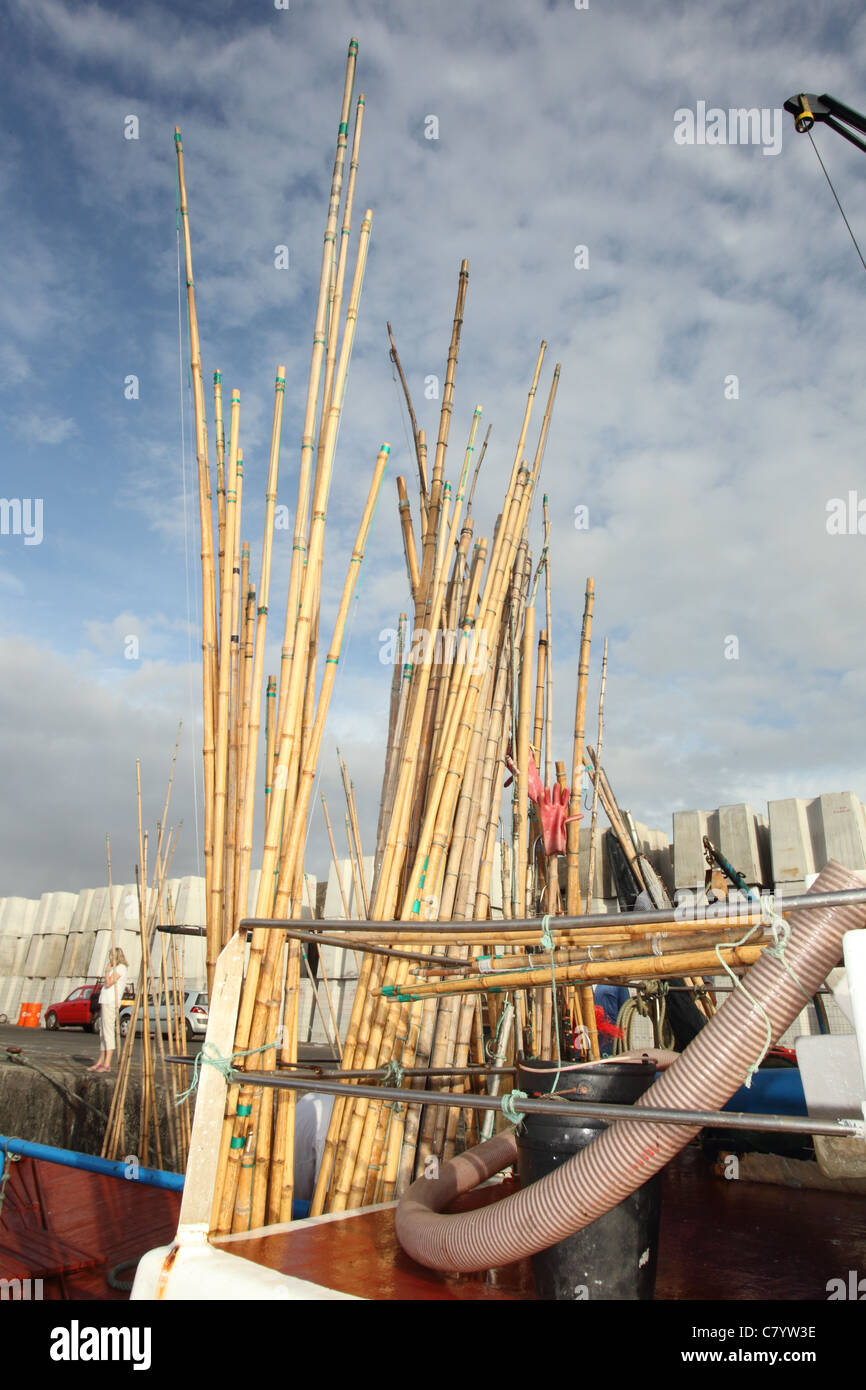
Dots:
pixel 115 976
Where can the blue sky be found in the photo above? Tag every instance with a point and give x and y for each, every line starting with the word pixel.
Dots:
pixel 556 130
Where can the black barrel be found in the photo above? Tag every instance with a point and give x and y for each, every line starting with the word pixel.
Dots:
pixel 614 1257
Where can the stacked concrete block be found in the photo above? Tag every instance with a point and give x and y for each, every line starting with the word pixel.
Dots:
pixel 129 943
pixel 315 1024
pixel 603 896
pixel 690 827
pixel 334 900
pixel 190 910
pixel 805 834
pixel 48 939
pixel 737 831
pixel 17 917
pixel 743 840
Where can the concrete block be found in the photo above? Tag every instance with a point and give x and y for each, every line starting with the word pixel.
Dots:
pixel 194 961
pixel 79 959
pixel 101 945
pixel 738 841
pixel 44 955
pixel 689 829
pixel 790 842
pixel 602 887
pixel 35 991
pixel 842 833
pixel 55 913
pixel 73 944
pixel 82 906
pixel 19 915
pixel 48 955
pixel 10 994
pixel 8 953
pixel 339 962
pixel 100 911
pixel 190 909
pixel 311 1027
pixel 790 890
pixel 333 901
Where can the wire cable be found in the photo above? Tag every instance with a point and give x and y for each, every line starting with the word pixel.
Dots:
pixel 836 196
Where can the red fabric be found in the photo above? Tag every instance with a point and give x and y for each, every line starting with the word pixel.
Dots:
pixel 603 1025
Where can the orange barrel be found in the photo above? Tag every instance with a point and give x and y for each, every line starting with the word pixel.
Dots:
pixel 29 1015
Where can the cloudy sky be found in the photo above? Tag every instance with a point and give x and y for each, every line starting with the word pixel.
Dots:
pixel 711 342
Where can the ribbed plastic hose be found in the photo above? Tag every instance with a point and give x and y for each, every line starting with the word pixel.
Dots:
pixel 624 1156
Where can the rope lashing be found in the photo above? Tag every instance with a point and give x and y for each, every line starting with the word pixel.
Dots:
pixel 393 1074
pixel 509 1110
pixel 738 984
pixel 781 931
pixel 224 1065
pixel 547 942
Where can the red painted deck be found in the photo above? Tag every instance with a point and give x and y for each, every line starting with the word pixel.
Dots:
pixel 725 1241
pixel 70 1228
pixel 718 1241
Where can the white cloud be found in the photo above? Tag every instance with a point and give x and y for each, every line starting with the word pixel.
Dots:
pixel 556 129
pixel 44 429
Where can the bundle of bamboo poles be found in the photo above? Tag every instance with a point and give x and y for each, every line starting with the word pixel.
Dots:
pixel 471 658
pixel 157 982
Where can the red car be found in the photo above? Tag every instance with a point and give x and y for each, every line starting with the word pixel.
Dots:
pixel 78 1010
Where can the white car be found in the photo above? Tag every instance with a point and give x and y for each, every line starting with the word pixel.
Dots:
pixel 193 1011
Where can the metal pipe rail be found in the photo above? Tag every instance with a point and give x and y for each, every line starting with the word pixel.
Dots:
pixel 710 1119
pixel 69 1158
pixel 745 910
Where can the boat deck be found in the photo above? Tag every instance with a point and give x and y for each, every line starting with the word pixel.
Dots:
pixel 718 1241
pixel 71 1229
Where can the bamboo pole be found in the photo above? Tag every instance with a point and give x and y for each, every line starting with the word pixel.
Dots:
pixel 540 682
pixel 594 817
pixel 387 887
pixel 548 668
pixel 249 792
pixel 639 967
pixel 209 631
pixel 356 881
pixel 346 911
pixel 270 716
pixel 215 909
pixel 574 905
pixel 220 440
pixel 113 940
pixel 300 545
pixel 521 780
pixel 258 1005
pixel 409 550
pixel 573 898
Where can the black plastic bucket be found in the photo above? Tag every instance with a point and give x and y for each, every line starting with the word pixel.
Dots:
pixel 614 1257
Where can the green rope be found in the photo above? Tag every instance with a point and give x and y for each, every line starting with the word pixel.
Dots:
pixel 492 1045
pixel 781 932
pixel 738 984
pixel 7 1173
pixel 393 1073
pixel 514 1116
pixel 223 1065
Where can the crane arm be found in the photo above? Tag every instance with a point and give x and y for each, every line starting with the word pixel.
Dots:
pixel 807 109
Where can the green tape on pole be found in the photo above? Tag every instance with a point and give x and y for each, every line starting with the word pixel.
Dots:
pixel 237 1144
pixel 343 128
pixel 245 1109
